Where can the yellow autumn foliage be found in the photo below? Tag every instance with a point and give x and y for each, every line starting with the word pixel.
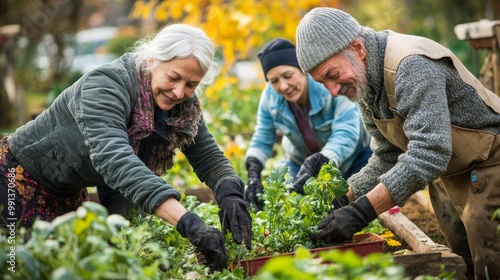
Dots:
pixel 238 27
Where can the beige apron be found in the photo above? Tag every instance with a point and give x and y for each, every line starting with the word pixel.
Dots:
pixel 467 194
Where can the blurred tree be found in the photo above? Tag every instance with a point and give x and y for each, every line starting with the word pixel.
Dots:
pixel 8 35
pixel 47 32
pixel 424 18
pixel 50 21
pixel 238 27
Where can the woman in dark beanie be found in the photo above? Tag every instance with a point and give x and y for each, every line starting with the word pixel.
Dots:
pixel 433 124
pixel 316 127
pixel 119 125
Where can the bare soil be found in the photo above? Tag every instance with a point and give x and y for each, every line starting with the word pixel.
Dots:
pixel 425 219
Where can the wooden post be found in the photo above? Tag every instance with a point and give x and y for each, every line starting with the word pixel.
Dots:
pixel 484 34
pixel 8 93
pixel 495 49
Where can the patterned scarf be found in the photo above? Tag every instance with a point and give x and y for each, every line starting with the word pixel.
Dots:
pixel 163 132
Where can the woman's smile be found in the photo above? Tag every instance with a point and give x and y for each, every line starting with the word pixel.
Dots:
pixel 175 81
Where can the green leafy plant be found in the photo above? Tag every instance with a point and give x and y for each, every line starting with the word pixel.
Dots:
pixel 496 215
pixel 289 218
pixel 332 264
pixel 84 244
pixel 89 244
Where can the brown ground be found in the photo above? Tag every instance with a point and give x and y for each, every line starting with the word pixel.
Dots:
pixel 425 219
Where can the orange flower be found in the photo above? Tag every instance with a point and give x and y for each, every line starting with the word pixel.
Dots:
pixel 233 150
pixel 180 156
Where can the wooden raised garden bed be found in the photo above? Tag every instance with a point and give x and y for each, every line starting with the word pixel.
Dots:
pixel 426 256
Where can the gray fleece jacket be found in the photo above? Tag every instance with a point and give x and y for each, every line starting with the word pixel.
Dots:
pixel 81 140
pixel 428 119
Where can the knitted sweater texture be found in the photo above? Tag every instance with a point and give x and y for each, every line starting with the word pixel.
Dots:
pixel 431 97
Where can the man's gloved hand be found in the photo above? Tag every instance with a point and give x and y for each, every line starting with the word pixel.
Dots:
pixel 340 202
pixel 341 224
pixel 208 240
pixel 311 167
pixel 234 213
pixel 254 168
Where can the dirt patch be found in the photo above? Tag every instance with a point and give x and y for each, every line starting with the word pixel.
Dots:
pixel 423 218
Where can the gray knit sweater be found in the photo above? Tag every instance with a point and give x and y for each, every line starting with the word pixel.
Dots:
pixel 431 96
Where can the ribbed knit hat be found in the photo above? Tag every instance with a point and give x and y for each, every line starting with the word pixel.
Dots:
pixel 277 52
pixel 322 33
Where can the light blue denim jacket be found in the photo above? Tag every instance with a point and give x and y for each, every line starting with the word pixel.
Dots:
pixel 335 121
pixel 81 140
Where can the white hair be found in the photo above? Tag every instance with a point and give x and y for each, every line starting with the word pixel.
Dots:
pixel 179 41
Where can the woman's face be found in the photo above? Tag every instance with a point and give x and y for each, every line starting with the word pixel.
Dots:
pixel 174 81
pixel 290 82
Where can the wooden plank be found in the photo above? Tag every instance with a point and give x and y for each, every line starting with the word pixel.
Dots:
pixel 203 194
pixel 428 257
pixel 495 50
pixel 432 264
pixel 403 227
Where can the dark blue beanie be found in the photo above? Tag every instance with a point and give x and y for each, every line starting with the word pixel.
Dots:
pixel 277 52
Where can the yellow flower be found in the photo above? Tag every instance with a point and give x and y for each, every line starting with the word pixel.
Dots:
pixel 233 150
pixel 387 235
pixel 393 242
pixel 180 156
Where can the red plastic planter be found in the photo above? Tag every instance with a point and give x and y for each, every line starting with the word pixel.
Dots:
pixel 362 244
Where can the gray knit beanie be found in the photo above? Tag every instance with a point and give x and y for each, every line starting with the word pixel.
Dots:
pixel 322 33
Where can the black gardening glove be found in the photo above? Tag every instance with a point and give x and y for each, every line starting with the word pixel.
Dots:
pixel 341 224
pixel 233 213
pixel 208 240
pixel 254 168
pixel 340 202
pixel 311 167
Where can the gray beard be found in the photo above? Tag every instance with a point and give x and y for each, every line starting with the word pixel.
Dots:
pixel 362 85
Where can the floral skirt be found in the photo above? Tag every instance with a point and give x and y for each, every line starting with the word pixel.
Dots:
pixel 24 199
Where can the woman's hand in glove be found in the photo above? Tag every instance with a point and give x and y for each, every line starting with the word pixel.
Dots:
pixel 311 167
pixel 254 188
pixel 252 192
pixel 340 202
pixel 341 224
pixel 234 213
pixel 208 240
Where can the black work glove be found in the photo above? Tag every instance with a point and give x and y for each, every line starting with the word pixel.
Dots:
pixel 311 167
pixel 233 213
pixel 341 224
pixel 339 202
pixel 254 168
pixel 208 240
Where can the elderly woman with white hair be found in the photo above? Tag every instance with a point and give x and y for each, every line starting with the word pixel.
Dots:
pixel 120 125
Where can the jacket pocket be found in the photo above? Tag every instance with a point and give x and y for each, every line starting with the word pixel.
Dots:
pixel 469 147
